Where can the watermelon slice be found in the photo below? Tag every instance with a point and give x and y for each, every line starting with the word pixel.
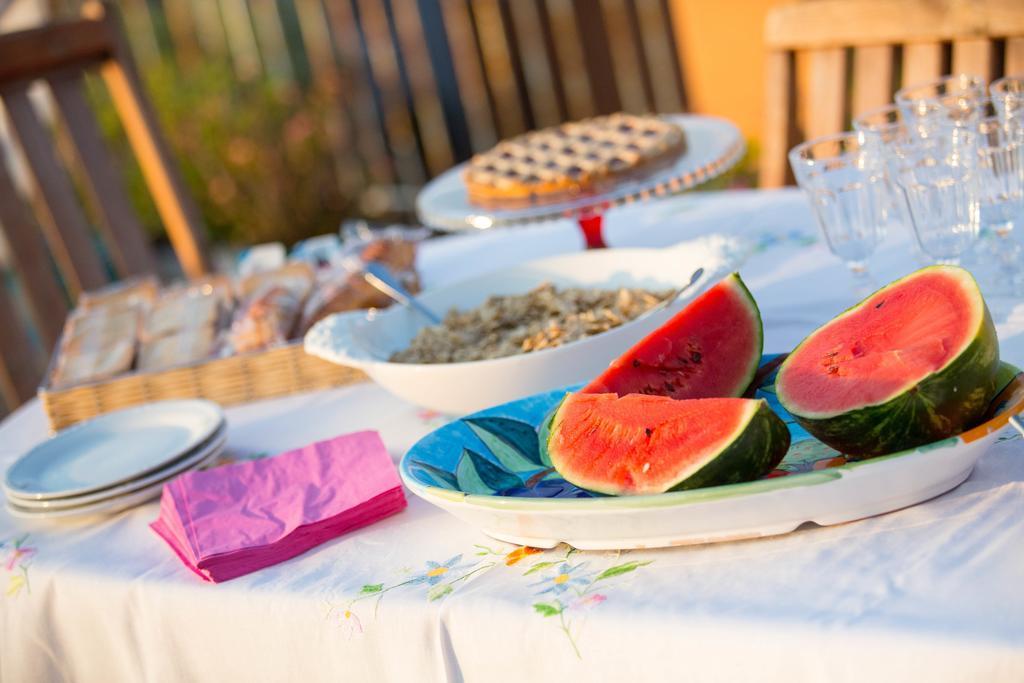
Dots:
pixel 650 444
pixel 913 363
pixel 709 349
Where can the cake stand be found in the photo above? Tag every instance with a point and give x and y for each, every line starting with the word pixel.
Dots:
pixel 713 146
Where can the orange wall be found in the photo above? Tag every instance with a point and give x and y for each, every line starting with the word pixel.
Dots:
pixel 722 52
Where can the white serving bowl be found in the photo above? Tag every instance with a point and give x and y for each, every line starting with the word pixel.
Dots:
pixel 366 340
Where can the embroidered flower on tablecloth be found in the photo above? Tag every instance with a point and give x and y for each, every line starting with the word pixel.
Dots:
pixel 568 576
pixel 568 588
pixel 438 572
pixel 442 579
pixel 15 558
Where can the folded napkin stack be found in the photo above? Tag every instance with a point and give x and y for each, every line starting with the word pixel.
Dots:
pixel 232 520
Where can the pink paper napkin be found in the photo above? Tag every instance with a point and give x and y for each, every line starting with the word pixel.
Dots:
pixel 232 520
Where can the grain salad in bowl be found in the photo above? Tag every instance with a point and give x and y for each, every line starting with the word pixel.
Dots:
pixel 543 318
pixel 524 329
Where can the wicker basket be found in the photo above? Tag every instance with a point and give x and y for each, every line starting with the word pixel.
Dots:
pixel 236 379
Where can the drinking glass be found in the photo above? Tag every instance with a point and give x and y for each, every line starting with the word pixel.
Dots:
pixel 1000 157
pixel 938 180
pixel 1008 97
pixel 879 127
pixel 963 86
pixel 948 99
pixel 844 179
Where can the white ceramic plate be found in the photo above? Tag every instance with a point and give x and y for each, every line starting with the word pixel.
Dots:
pixel 366 341
pixel 109 506
pixel 486 470
pixel 112 449
pixel 189 461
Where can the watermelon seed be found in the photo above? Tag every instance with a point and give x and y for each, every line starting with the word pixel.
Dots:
pixel 880 303
pixel 646 467
pixel 636 363
pixel 695 356
pixel 648 431
pixel 669 387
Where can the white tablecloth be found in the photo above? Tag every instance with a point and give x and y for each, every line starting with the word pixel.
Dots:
pixel 931 593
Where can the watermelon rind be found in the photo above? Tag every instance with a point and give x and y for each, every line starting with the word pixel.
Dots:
pixel 757 450
pixel 758 350
pixel 757 446
pixel 941 405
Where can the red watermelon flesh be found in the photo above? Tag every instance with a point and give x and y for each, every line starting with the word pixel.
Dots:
pixel 650 444
pixel 883 346
pixel 709 349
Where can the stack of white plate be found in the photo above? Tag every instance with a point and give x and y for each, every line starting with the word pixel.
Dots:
pixel 115 461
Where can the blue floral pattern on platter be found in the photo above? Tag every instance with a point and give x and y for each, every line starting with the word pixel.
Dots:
pixel 496 452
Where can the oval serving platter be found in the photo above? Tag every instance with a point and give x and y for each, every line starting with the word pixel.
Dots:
pixel 487 470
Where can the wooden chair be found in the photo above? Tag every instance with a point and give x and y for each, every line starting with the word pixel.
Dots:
pixel 61 255
pixel 814 48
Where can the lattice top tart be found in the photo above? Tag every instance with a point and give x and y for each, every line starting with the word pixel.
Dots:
pixel 559 163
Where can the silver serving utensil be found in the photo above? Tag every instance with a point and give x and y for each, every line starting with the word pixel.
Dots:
pixel 668 301
pixel 381 277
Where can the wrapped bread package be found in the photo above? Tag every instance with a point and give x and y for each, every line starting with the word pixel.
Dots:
pixel 182 348
pixel 134 292
pixel 96 344
pixel 178 313
pixel 271 306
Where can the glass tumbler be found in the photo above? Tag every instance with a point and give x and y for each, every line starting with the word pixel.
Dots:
pixel 1008 97
pixel 938 180
pixel 1000 150
pixel 844 179
pixel 926 106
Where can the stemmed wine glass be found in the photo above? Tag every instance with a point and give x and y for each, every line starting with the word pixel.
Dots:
pixel 844 178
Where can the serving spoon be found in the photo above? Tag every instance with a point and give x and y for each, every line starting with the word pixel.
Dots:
pixel 673 298
pixel 380 276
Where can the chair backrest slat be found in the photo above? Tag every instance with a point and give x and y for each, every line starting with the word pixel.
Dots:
pixel 68 230
pixel 21 366
pixel 872 77
pixel 826 70
pixel 1013 58
pixel 921 62
pixel 28 254
pixel 73 43
pixel 973 56
pixel 125 237
pixel 780 102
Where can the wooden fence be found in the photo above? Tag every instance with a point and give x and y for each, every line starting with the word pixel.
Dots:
pixel 419 85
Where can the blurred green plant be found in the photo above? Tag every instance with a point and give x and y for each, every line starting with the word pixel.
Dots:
pixel 255 155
